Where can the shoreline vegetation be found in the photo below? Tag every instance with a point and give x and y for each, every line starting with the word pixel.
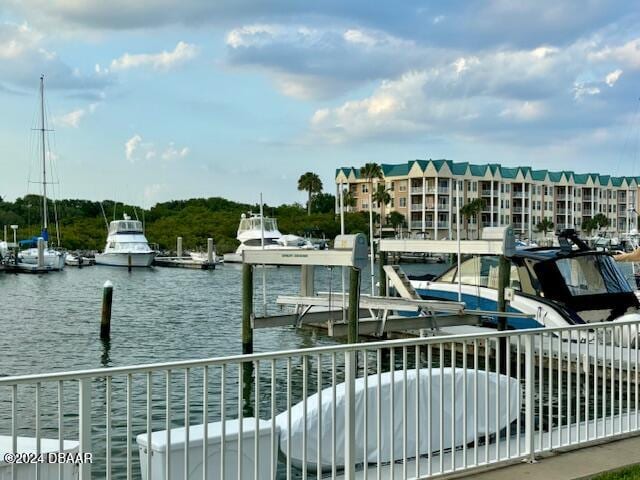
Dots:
pixel 82 224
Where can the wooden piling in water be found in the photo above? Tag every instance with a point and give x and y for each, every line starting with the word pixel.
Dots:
pixel 179 247
pixel 210 258
pixel 105 321
pixel 307 278
pixel 354 302
pixel 129 263
pixel 382 276
pixel 247 308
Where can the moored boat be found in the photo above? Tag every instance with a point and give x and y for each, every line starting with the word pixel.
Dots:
pixel 126 245
pixel 256 232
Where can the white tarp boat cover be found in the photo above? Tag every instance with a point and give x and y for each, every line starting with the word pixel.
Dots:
pixel 428 387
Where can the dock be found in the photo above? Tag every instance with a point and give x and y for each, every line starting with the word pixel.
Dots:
pixel 183 262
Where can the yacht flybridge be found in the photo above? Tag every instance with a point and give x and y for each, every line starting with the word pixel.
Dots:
pixel 126 245
pixel 256 232
pixel 558 286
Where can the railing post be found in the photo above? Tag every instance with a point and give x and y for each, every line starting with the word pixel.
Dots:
pixel 529 397
pixel 350 360
pixel 84 427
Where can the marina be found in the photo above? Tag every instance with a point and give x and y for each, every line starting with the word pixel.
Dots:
pixel 319 241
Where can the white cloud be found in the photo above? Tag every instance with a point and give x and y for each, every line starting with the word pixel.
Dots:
pixel 136 148
pixel 613 77
pixel 582 90
pixel 159 61
pixel 131 146
pixel 628 53
pixel 74 117
pixel 172 152
pixel 71 119
pixel 525 111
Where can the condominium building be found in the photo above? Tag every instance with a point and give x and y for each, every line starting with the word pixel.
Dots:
pixel 428 192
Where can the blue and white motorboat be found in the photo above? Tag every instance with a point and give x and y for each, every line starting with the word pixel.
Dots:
pixel 557 286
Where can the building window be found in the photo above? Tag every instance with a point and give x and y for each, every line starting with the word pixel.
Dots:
pixel 403 187
pixel 402 201
pixel 365 206
pixel 365 188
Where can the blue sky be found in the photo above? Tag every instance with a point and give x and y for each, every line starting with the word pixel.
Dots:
pixel 161 100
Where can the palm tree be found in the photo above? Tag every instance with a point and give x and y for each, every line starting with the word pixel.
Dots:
pixel 370 172
pixel 348 199
pixel 396 220
pixel 311 183
pixel 382 197
pixel 472 210
pixel 545 226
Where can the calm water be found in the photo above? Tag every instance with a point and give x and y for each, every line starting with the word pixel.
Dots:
pixel 51 323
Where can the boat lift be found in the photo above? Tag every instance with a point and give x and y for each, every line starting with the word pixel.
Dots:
pixel 367 314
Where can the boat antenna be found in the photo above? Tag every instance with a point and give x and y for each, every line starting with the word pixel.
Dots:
pixel 104 215
pixel 115 205
pixel 44 161
pixel 135 211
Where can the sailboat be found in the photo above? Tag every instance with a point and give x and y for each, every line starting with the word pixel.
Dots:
pixel 52 259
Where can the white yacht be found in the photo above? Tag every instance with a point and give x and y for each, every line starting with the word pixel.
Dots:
pixel 257 232
pixel 126 240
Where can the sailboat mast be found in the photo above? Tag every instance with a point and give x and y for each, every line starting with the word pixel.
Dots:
pixel 44 159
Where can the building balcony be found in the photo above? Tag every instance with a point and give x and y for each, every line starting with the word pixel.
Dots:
pixel 517 194
pixel 443 190
pixel 489 193
pixel 443 224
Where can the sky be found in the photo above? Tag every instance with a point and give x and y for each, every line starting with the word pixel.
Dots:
pixel 159 100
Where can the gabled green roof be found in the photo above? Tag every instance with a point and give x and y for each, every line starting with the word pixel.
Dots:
pixel 580 178
pixel 604 179
pixel 395 170
pixel 458 168
pixel 616 181
pixel 539 175
pixel 508 172
pixel 478 170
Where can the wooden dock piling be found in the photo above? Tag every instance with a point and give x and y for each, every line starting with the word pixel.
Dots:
pixel 354 302
pixel 179 247
pixel 107 299
pixel 210 258
pixel 247 308
pixel 382 276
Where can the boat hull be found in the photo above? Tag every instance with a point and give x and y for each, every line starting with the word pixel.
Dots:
pixel 53 260
pixel 122 259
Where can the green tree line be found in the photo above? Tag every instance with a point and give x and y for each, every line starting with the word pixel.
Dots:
pixel 83 227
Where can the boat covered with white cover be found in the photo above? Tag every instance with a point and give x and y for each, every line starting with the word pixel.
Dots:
pixel 491 386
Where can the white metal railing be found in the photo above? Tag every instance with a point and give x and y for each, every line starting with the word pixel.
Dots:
pixel 433 405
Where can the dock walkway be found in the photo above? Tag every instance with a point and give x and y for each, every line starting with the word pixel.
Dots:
pixel 572 465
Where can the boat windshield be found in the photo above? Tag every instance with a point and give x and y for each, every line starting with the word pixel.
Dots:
pixel 125 226
pixel 592 275
pixel 255 223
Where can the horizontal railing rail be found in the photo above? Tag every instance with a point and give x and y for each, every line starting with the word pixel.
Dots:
pixel 412 407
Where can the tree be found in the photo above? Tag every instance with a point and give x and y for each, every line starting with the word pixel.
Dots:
pixel 309 182
pixel 396 220
pixel 323 203
pixel 348 199
pixel 472 210
pixel 588 225
pixel 371 172
pixel 600 220
pixel 545 226
pixel 382 197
